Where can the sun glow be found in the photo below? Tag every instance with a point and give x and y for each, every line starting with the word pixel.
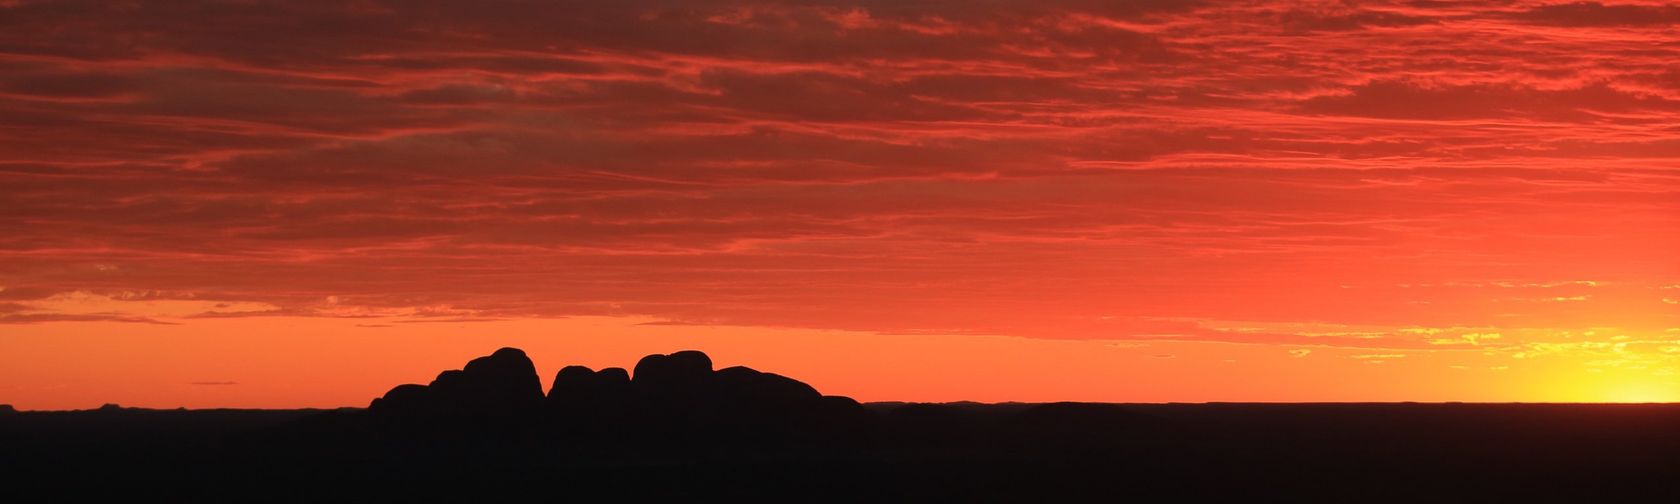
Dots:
pixel 1642 392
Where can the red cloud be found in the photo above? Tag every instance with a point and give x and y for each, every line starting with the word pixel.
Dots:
pixel 1060 169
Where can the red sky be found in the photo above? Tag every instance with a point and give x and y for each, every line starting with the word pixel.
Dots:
pixel 1154 200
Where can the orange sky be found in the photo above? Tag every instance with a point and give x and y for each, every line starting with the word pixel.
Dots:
pixel 295 203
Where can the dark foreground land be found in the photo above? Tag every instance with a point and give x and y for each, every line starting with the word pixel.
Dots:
pixel 682 430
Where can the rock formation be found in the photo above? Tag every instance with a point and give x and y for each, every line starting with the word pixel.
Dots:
pixel 677 391
pixel 502 384
pixel 579 384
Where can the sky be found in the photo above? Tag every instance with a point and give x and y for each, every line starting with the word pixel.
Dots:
pixel 298 203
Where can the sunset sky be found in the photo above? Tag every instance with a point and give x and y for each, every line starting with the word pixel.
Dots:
pixel 302 203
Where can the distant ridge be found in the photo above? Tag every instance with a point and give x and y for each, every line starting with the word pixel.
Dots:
pixel 676 390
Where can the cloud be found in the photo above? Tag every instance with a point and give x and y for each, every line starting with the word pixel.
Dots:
pixel 37 318
pixel 121 306
pixel 1083 170
pixel 1594 14
pixel 1408 100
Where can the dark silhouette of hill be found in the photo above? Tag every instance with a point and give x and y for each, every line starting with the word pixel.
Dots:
pixel 675 395
pixel 500 385
pixel 676 427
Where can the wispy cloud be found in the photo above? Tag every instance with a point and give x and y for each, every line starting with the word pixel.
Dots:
pixel 1126 170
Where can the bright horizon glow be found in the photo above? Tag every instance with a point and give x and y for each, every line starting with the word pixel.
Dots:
pixel 1640 391
pixel 326 363
pixel 1306 200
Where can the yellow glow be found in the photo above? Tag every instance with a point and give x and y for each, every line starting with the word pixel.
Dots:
pixel 275 362
pixel 1642 392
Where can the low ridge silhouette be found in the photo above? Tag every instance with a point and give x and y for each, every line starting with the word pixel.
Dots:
pixel 676 392
pixel 675 427
pixel 499 385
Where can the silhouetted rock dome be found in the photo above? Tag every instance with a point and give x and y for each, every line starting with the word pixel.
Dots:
pixel 667 394
pixel 579 383
pixel 678 370
pixel 748 385
pixel 504 383
pixel 7 408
